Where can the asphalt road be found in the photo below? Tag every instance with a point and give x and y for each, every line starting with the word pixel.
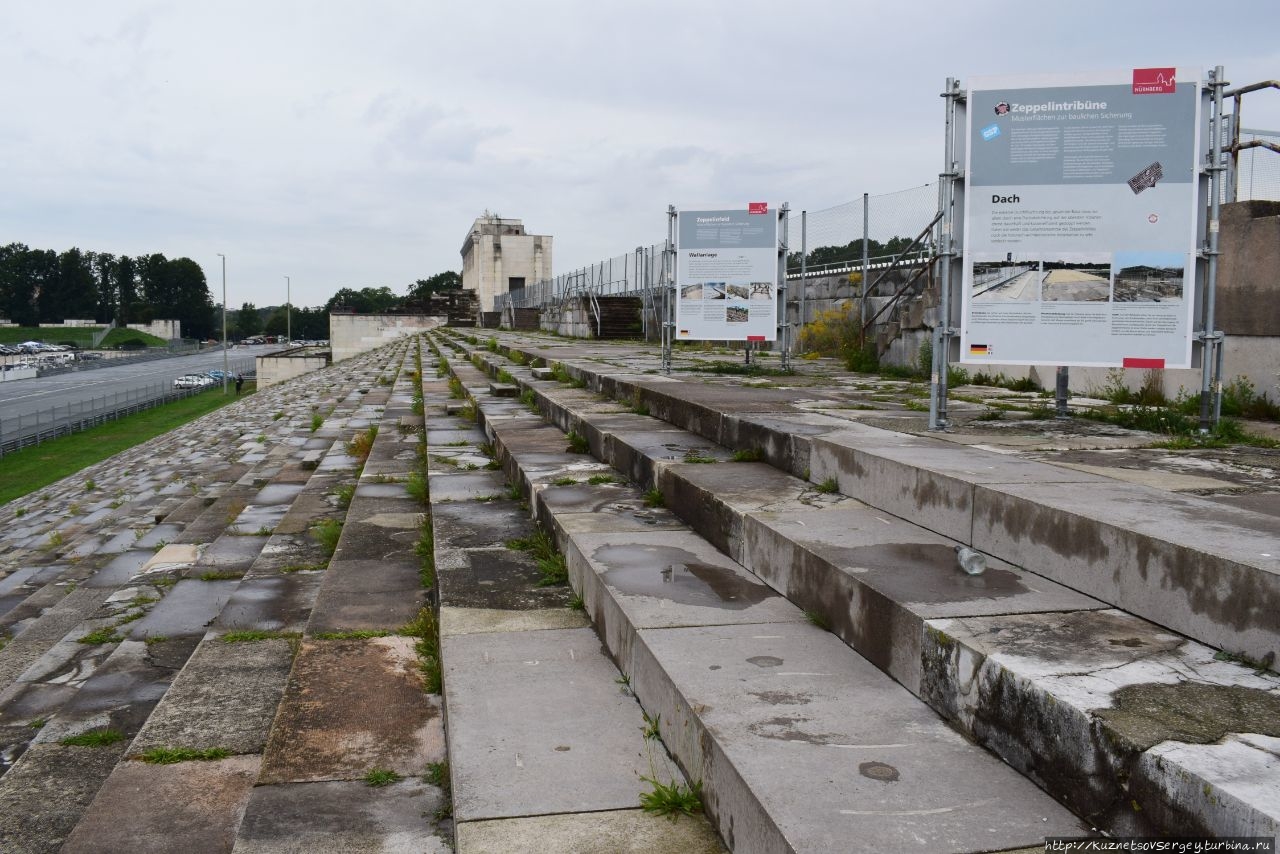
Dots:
pixel 45 394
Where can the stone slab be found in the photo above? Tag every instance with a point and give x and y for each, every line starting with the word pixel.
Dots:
pixel 466 487
pixel 538 725
pixel 1208 571
pixel 43 796
pixel 321 734
pixel 874 579
pixel 276 603
pixel 612 831
pixel 469 621
pixel 190 806
pixel 187 609
pixel 712 499
pixel 759 714
pixel 923 480
pixel 341 818
pixel 1091 704
pixel 226 697
pixel 498 578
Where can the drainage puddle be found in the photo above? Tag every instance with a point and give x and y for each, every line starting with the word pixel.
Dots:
pixel 674 574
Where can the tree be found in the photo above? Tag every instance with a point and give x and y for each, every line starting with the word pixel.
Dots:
pixel 248 321
pixel 277 323
pixel 17 285
pixel 128 305
pixel 422 289
pixel 192 305
pixel 365 301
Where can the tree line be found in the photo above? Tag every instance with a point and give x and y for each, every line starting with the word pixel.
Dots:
pixel 313 323
pixel 851 251
pixel 43 286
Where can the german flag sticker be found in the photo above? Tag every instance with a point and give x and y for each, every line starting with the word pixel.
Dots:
pixel 979 349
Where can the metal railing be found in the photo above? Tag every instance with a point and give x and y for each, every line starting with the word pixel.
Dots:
pixel 33 428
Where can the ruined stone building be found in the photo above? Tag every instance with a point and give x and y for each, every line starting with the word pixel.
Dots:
pixel 498 256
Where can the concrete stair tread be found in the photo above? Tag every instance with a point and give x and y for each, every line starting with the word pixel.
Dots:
pixel 830 751
pixel 539 725
pixel 919 618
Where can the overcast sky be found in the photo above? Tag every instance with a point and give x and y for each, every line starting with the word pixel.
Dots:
pixel 352 145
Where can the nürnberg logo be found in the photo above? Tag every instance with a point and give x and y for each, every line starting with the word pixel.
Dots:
pixel 1154 81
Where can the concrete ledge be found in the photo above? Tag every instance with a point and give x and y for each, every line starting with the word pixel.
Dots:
pixel 613 831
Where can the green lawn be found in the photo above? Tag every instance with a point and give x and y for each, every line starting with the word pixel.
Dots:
pixel 38 466
pixel 81 335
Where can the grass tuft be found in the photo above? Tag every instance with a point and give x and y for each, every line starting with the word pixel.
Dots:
pixel 93 738
pixel 174 755
pixel 672 799
pixel 101 636
pixel 327 533
pixel 576 444
pixel 252 635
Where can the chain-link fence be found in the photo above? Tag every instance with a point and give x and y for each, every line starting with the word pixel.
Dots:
pixel 1257 171
pixel 831 240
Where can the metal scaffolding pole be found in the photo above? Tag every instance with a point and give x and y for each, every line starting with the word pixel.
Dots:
pixel 1210 359
pixel 942 330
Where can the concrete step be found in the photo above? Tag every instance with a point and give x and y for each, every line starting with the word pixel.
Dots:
pixel 227 695
pixel 546 741
pixel 674 613
pixel 892 591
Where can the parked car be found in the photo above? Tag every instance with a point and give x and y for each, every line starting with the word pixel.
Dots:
pixel 192 381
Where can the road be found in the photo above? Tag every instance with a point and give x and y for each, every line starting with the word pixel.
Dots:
pixel 43 394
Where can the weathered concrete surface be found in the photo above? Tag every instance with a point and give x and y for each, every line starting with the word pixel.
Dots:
pixel 761 714
pixel 713 499
pixel 278 603
pixel 538 725
pixel 1208 571
pixel 468 621
pixel 341 818
pixel 226 697
pixel 320 733
pixel 612 831
pixel 657 579
pixel 47 791
pixel 1095 704
pixel 190 806
pixel 188 609
pixel 874 579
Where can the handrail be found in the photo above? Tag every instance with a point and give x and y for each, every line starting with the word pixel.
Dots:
pixel 1237 96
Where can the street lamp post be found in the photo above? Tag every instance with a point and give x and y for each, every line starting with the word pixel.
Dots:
pixel 288 312
pixel 224 322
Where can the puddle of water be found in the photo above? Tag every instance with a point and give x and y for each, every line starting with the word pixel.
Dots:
pixel 187 609
pixel 121 568
pixel 928 572
pixel 255 518
pixel 152 538
pixel 664 572
pixel 277 493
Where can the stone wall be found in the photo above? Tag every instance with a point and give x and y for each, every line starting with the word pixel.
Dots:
pixel 350 334
pixel 1248 288
pixel 278 367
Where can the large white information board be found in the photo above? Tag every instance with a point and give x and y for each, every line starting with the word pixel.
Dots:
pixel 727 274
pixel 1080 218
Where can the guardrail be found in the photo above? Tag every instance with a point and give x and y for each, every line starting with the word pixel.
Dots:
pixel 23 430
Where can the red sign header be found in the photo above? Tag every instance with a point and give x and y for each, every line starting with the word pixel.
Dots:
pixel 1154 81
pixel 757 207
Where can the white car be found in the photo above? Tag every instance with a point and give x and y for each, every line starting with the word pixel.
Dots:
pixel 192 381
